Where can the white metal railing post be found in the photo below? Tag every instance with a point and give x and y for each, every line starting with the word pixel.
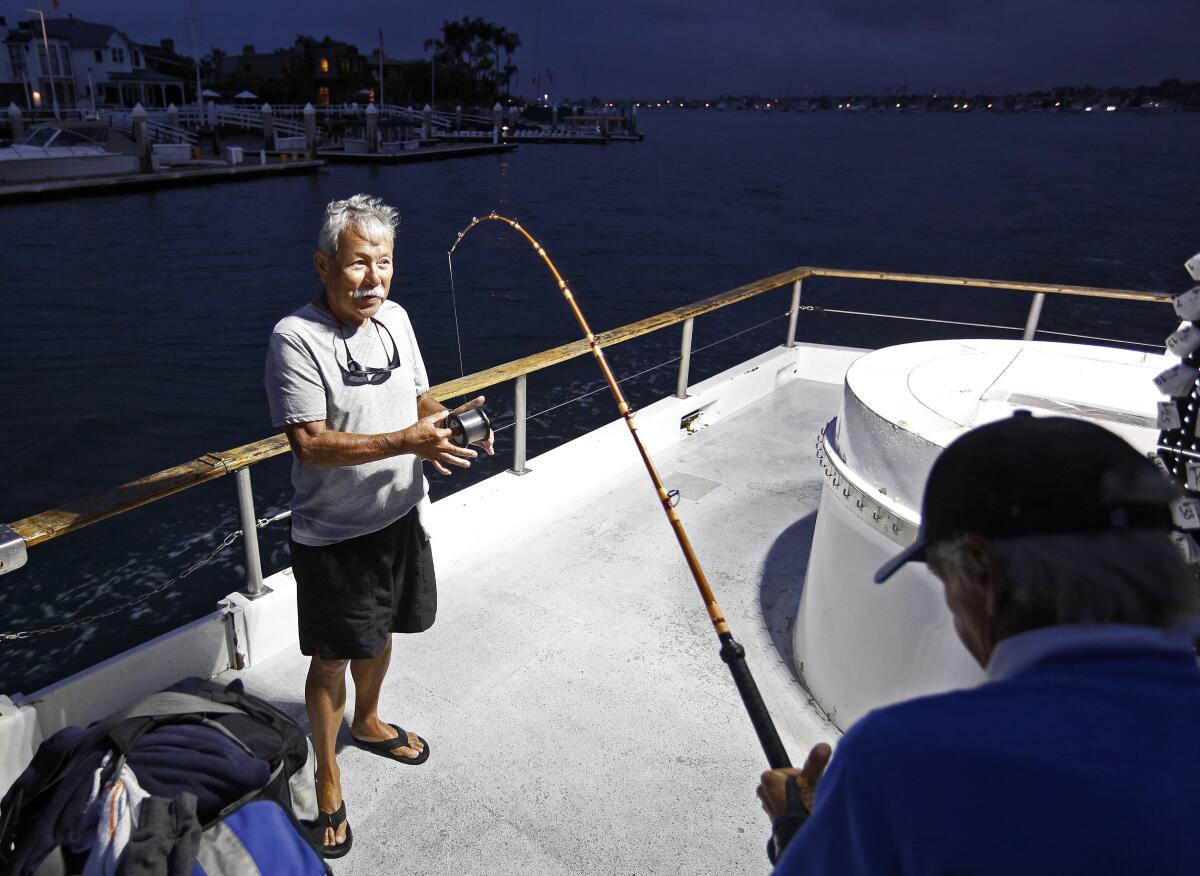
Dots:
pixel 254 579
pixel 1035 313
pixel 685 358
pixel 520 401
pixel 793 314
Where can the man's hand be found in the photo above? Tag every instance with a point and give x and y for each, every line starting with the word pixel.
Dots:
pixel 477 402
pixel 772 790
pixel 431 441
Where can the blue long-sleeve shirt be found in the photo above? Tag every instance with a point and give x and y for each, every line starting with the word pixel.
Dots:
pixel 1081 754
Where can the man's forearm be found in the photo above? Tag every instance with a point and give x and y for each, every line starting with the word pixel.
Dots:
pixel 330 449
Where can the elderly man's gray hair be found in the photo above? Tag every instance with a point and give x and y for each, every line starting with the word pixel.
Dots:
pixel 370 217
pixel 1128 577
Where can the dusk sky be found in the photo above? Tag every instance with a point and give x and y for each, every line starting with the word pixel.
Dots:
pixel 635 48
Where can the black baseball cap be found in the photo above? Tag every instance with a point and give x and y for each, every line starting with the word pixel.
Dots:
pixel 1028 475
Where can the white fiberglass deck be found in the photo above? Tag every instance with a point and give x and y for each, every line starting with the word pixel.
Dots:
pixel 579 716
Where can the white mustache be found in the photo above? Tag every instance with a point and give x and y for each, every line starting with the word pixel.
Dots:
pixel 374 292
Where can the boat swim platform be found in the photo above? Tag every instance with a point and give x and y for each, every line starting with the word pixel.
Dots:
pixel 579 717
pixel 167 178
pixel 438 152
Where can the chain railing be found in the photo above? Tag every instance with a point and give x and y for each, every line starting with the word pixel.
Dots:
pixel 38 528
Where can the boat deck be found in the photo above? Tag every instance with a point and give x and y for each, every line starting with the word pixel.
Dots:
pixel 579 717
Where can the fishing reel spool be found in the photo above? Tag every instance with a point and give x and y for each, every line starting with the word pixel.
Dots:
pixel 468 427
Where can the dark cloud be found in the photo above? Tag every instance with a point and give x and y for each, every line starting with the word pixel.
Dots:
pixel 930 16
pixel 628 48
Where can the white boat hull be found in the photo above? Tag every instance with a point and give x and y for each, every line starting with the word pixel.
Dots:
pixel 22 170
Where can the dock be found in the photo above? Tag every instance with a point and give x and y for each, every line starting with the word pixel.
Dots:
pixel 545 137
pixel 425 153
pixel 178 176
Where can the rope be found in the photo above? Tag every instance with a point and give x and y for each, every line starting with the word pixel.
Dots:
pixel 229 539
pixel 600 388
pixel 819 309
pixel 1098 338
pixel 816 308
pixel 641 373
pixel 739 334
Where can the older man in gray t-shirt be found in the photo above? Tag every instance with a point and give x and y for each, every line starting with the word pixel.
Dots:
pixel 346 382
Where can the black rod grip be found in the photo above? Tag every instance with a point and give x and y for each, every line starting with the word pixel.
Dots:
pixel 735 655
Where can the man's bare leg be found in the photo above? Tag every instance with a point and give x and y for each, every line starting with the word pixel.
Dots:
pixel 325 700
pixel 368 681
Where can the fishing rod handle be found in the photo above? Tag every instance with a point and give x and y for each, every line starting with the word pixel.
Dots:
pixel 768 737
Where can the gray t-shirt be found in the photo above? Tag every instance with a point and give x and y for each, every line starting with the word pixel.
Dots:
pixel 307 380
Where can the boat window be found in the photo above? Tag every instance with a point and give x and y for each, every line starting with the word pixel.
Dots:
pixel 37 137
pixel 72 138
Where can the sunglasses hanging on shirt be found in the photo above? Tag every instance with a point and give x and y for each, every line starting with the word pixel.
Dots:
pixel 353 366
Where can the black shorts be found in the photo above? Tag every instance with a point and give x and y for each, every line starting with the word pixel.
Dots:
pixel 351 595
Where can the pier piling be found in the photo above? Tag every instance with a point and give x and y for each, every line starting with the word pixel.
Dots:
pixel 372 129
pixel 16 121
pixel 268 126
pixel 141 138
pixel 310 131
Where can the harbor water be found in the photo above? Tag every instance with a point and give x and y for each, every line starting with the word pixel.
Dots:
pixel 134 326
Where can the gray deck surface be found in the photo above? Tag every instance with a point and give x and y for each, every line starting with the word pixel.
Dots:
pixel 579 717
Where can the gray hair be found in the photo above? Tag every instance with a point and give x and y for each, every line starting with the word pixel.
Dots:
pixel 1128 577
pixel 369 216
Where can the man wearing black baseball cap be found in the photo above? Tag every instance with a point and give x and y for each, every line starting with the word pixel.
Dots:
pixel 1081 752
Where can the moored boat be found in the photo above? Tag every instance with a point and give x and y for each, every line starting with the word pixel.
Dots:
pixel 48 152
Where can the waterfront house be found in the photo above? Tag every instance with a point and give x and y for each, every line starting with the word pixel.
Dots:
pixel 87 63
pixel 322 72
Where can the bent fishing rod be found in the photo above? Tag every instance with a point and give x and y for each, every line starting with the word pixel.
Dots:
pixel 731 652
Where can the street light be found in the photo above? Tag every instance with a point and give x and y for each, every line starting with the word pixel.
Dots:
pixel 50 69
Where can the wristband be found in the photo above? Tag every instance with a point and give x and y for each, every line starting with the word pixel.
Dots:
pixel 787 825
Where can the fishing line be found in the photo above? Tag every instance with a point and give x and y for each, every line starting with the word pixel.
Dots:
pixel 462 372
pixel 731 652
pixel 466 427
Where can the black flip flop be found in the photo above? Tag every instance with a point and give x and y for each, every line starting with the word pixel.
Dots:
pixel 326 820
pixel 385 747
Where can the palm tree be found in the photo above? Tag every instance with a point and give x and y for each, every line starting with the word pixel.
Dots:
pixel 474 45
pixel 511 43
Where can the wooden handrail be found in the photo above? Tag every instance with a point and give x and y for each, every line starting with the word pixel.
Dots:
pixel 1048 289
pixel 38 528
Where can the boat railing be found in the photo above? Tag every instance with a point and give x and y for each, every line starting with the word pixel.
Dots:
pixel 18 536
